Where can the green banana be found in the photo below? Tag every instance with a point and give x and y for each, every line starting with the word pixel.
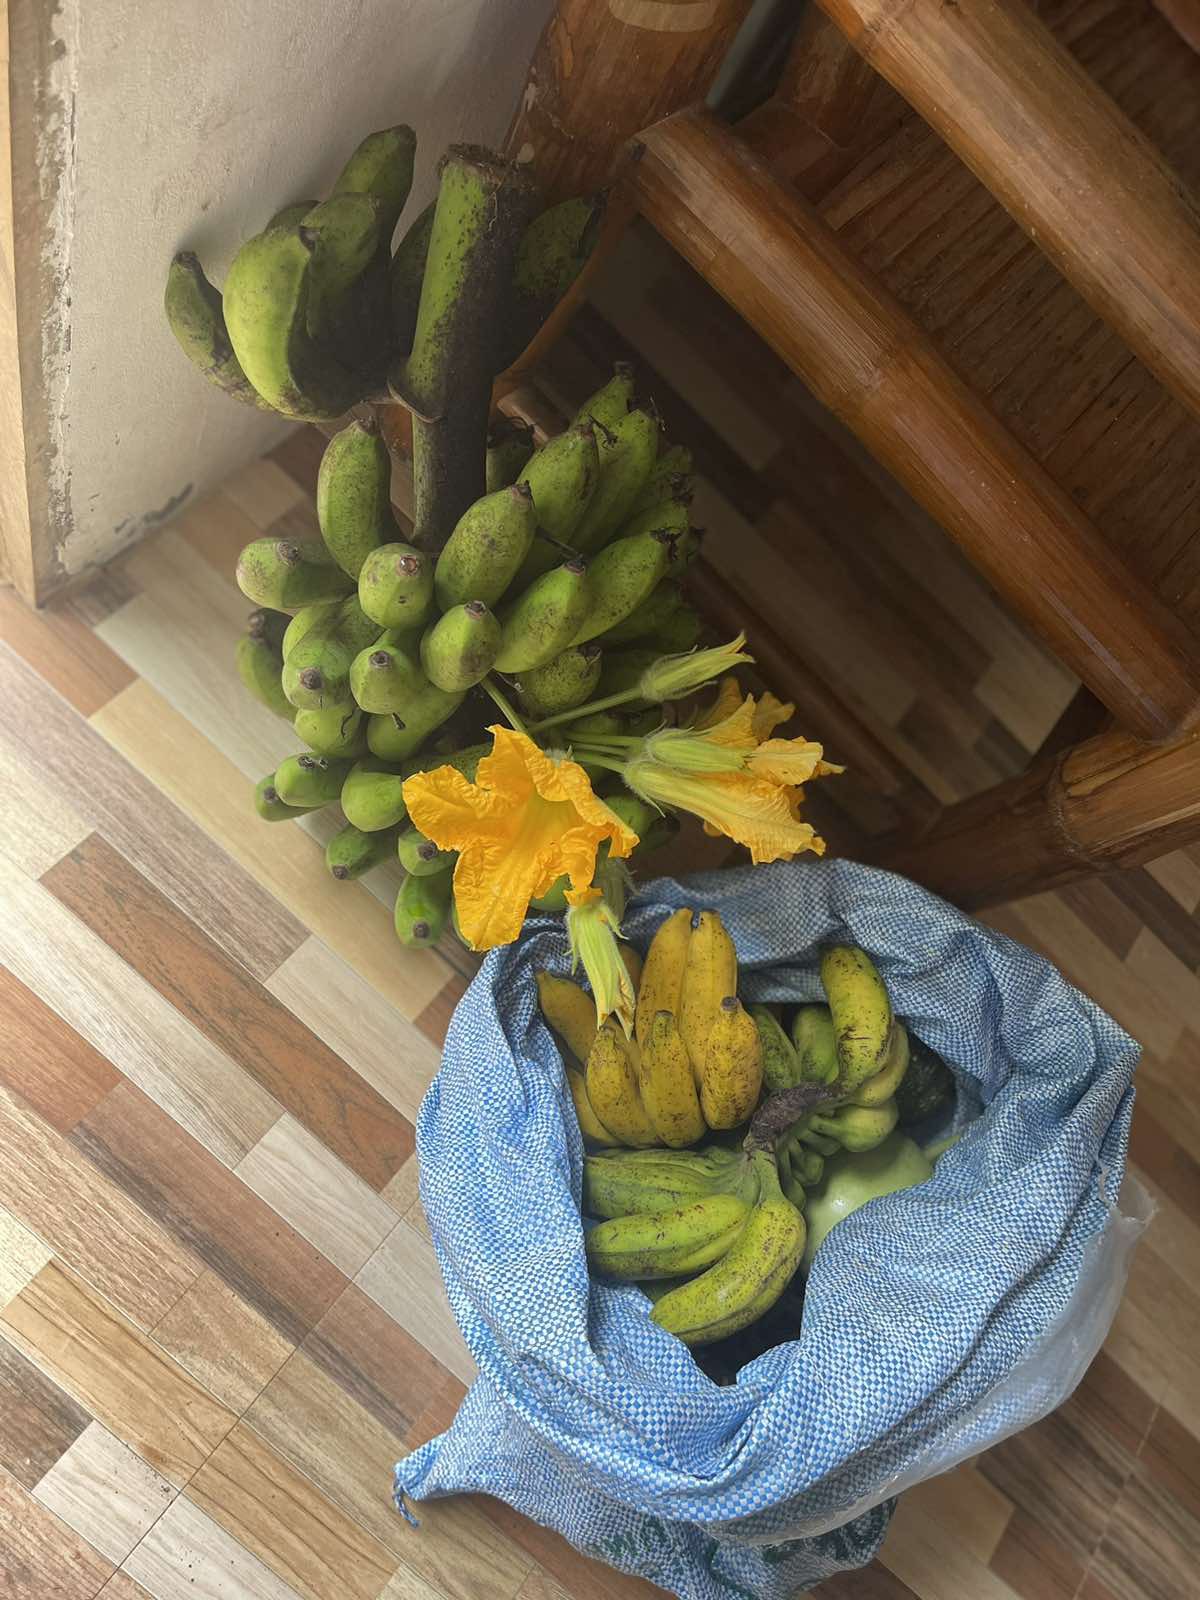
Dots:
pixel 485 551
pixel 647 620
pixel 399 734
pixel 354 496
pixel 623 1183
pixel 751 1276
pixel 372 795
pixel 568 680
pixel 259 661
pixel 382 166
pixel 552 253
pixel 543 620
pixel 562 478
pixel 611 401
pixel 423 908
pixel 852 1127
pixel 670 477
pixel 781 1066
pixel 626 458
pixel 460 648
pixel 670 515
pixel 288 576
pixel 509 447
pixel 345 231
pixel 624 668
pixel 316 668
pixel 351 852
pixel 419 856
pixel 308 780
pixel 816 1044
pixel 195 314
pixel 664 1244
pixel 861 1011
pixel 622 576
pixel 395 586
pixel 407 272
pixel 303 620
pixel 270 807
pixel 680 632
pixel 267 295
pixel 337 732
pixel 291 215
pixel 385 675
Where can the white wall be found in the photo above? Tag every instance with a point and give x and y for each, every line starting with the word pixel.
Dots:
pixel 186 123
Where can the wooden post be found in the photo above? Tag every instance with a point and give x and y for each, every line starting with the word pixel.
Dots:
pixel 1056 152
pixel 769 253
pixel 1110 802
pixel 604 70
pixel 825 81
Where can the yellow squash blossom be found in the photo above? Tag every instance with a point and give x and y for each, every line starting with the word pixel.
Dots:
pixel 592 928
pixel 530 817
pixel 768 712
pixel 753 811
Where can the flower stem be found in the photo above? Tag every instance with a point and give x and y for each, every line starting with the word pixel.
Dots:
pixel 577 712
pixel 595 759
pixel 491 687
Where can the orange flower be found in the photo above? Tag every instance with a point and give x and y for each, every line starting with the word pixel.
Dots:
pixel 530 817
pixel 753 811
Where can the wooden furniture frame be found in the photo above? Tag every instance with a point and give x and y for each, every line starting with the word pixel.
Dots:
pixel 1103 205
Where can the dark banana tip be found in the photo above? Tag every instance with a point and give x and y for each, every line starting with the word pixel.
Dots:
pixel 187 259
pixel 522 491
pixel 340 871
pixel 420 930
pixel 368 424
pixel 589 651
pixel 623 369
pixel 310 678
pixel 577 566
pixel 308 237
pixel 410 566
pixel 256 624
pixel 312 763
pixel 270 794
pixel 475 609
pixel 379 658
pixel 398 724
pixel 289 552
pixel 730 1003
pixel 427 850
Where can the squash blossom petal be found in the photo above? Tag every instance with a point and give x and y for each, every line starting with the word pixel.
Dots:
pixel 751 810
pixel 528 818
pixel 592 928
pixel 672 677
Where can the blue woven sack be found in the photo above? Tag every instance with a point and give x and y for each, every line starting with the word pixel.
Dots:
pixel 935 1322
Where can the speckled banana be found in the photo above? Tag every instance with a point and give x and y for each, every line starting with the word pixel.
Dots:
pixel 195 313
pixel 568 679
pixel 372 795
pixel 671 476
pixel 385 675
pixel 661 988
pixel 627 452
pixel 302 621
pixel 647 620
pixel 270 807
pixel 509 447
pixel 332 733
pixel 461 647
pixel 732 1074
pixel 570 1011
pixel 487 547
pixel 590 1126
pixel 664 1244
pixel 624 574
pixel 259 659
pixel 562 478
pixel 816 1044
pixel 710 974
pixel 780 1064
pixel 382 166
pixel 345 233
pixel 543 620
pixel 613 1088
pixel 748 1279
pixel 395 586
pixel 622 1183
pixel 287 575
pixel 354 496
pixel 882 1086
pixel 861 1012
pixel 316 667
pixel 423 909
pixel 267 295
pixel 419 856
pixel 308 780
pixel 351 852
pixel 396 735
pixel 669 1086
pixel 611 401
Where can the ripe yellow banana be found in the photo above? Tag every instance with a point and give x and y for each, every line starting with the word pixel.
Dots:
pixel 632 958
pixel 861 1011
pixel 749 1278
pixel 732 1074
pixel 668 1085
pixel 590 1126
pixel 612 1086
pixel 663 1244
pixel 875 1090
pixel 710 974
pixel 661 988
pixel 570 1012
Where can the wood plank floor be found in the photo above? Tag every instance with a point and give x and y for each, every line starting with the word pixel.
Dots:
pixel 220 1316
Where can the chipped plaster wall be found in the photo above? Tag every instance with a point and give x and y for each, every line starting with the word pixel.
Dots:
pixel 171 123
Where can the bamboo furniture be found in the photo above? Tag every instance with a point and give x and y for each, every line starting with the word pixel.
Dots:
pixel 1000 449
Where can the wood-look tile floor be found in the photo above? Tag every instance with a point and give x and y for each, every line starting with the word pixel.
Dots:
pixel 221 1320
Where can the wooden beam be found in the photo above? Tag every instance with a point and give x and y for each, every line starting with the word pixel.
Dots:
pixel 771 256
pixel 1184 17
pixel 1110 802
pixel 599 75
pixel 825 81
pixel 1057 153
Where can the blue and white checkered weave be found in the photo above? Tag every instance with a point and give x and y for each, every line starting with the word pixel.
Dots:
pixel 935 1320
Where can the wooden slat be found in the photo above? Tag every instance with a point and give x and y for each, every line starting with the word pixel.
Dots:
pixel 773 258
pixel 826 81
pixel 1058 154
pixel 1184 17
pixel 41 1558
pixel 109 1495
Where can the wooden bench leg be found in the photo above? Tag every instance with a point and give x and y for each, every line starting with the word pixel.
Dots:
pixel 1110 802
